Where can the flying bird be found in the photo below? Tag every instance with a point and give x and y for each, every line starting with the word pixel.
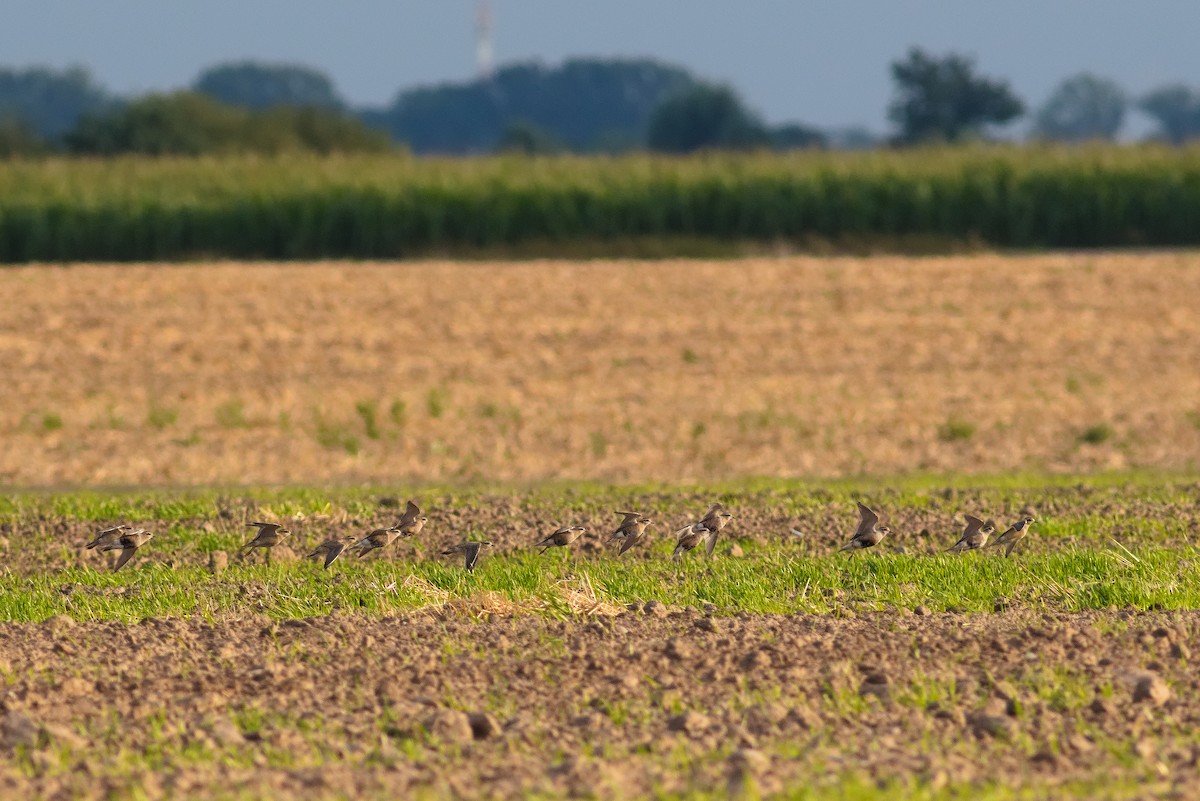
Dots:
pixel 411 522
pixel 689 537
pixel 127 544
pixel 269 535
pixel 106 535
pixel 869 533
pixel 470 552
pixel 631 531
pixel 1013 534
pixel 376 539
pixel 974 536
pixel 331 549
pixel 561 538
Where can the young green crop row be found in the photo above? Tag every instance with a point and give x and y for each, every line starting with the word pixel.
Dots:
pixel 395 206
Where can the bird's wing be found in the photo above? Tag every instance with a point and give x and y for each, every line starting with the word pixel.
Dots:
pixel 264 527
pixel 867 519
pixel 471 555
pixel 973 525
pixel 710 542
pixel 628 516
pixel 333 552
pixel 411 513
pixel 628 543
pixel 126 555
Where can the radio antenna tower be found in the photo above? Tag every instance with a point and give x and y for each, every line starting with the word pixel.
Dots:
pixel 483 39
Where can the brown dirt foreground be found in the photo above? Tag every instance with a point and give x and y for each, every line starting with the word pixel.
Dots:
pixel 667 701
pixel 618 371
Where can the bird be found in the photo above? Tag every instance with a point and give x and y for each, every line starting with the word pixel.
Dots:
pixel 868 533
pixel 631 530
pixel 561 538
pixel 1013 534
pixel 106 535
pixel 715 519
pixel 127 544
pixel 269 535
pixel 331 549
pixel 470 552
pixel 974 536
pixel 376 539
pixel 689 537
pixel 411 522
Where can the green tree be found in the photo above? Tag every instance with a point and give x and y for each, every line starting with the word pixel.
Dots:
pixel 186 123
pixel 1082 107
pixel 1176 108
pixel 50 102
pixel 260 86
pixel 704 117
pixel 522 136
pixel 794 136
pixel 586 104
pixel 943 99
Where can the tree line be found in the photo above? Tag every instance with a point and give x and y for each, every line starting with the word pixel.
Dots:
pixel 582 105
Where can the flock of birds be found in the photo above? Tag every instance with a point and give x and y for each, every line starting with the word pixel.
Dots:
pixel 629 533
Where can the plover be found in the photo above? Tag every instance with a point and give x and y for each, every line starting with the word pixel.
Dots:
pixel 375 539
pixel 869 533
pixel 561 538
pixel 127 544
pixel 269 535
pixel 631 530
pixel 1013 534
pixel 974 536
pixel 107 535
pixel 331 550
pixel 470 552
pixel 411 522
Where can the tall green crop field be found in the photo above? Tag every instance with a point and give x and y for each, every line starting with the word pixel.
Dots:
pixel 396 206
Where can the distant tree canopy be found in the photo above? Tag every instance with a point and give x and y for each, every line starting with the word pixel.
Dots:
pixel 48 101
pixel 704 117
pixel 186 123
pixel 942 99
pixel 586 104
pixel 794 136
pixel 1176 108
pixel 528 139
pixel 1082 107
pixel 17 139
pixel 260 86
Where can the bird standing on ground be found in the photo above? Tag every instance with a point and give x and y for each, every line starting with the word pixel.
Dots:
pixel 561 538
pixel 107 535
pixel 127 544
pixel 869 533
pixel 269 535
pixel 411 522
pixel 470 552
pixel 974 536
pixel 1013 534
pixel 331 549
pixel 631 530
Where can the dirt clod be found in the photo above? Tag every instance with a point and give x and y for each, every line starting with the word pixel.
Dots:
pixel 452 726
pixel 483 725
pixel 1150 688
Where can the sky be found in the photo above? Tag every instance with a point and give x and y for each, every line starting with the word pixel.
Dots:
pixel 823 63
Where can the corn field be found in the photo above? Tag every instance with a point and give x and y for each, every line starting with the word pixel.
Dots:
pixel 398 206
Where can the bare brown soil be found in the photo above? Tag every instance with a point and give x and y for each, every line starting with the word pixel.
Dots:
pixel 269 373
pixel 611 707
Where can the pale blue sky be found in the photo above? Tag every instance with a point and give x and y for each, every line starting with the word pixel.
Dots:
pixel 820 62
